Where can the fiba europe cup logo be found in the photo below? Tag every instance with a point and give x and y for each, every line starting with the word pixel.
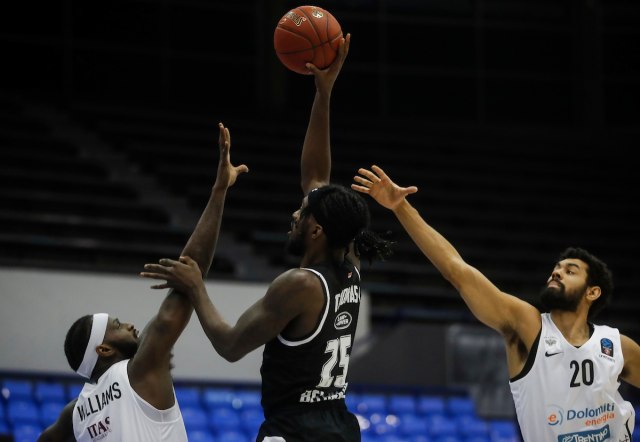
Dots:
pixel 555 415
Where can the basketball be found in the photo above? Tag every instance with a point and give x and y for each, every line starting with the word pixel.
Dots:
pixel 307 34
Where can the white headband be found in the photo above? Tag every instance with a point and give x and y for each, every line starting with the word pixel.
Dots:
pixel 98 330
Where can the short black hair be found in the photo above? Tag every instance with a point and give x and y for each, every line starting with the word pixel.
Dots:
pixel 598 274
pixel 344 216
pixel 75 344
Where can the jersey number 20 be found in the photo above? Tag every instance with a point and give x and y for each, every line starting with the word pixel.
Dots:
pixel 586 373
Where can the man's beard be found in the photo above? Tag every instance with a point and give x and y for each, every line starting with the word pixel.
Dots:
pixel 127 349
pixel 556 298
pixel 295 242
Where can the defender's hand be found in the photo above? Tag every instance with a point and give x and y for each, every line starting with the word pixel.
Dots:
pixel 379 186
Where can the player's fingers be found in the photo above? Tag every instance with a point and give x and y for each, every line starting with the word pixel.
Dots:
pixel 379 172
pixel 155 268
pixel 312 68
pixel 160 286
pixel 360 189
pixel 242 169
pixel 409 190
pixel 166 262
pixel 367 173
pixel 153 275
pixel 365 182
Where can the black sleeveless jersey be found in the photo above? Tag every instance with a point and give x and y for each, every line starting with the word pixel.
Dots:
pixel 296 374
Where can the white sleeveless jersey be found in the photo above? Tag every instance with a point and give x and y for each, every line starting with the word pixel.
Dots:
pixel 571 394
pixel 111 411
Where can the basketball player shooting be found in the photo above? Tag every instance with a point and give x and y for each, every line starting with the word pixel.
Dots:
pixel 564 370
pixel 129 394
pixel 308 316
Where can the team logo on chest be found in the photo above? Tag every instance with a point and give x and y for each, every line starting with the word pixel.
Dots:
pixel 606 346
pixel 343 320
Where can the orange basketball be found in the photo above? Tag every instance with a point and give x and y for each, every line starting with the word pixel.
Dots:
pixel 307 34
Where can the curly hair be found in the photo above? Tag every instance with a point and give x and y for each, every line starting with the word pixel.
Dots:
pixel 598 274
pixel 344 216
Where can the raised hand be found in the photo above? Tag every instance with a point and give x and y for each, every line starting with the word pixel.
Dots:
pixel 183 275
pixel 227 172
pixel 325 78
pixel 379 186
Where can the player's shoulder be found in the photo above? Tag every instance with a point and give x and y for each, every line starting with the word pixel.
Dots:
pixel 297 278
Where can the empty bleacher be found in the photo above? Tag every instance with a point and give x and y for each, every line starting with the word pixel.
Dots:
pixel 232 413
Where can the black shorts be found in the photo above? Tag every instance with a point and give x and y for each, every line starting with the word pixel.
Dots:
pixel 317 425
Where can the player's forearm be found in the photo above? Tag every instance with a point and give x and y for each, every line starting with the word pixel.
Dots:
pixel 202 243
pixel 220 333
pixel 316 151
pixel 434 246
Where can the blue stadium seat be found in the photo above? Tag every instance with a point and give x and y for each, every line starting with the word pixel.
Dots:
pixel 401 404
pixel 476 439
pixel 372 403
pixel 441 426
pixel 232 436
pixel 218 397
pixel 470 426
pixel 4 428
pixel 420 438
pixel 460 406
pixel 73 390
pixel 392 438
pixel 2 412
pixel 223 419
pixel 250 420
pixel 413 425
pixel 503 431
pixel 384 425
pixel 23 412
pixel 194 418
pixel 369 438
pixel 49 412
pixel 49 392
pixel 352 400
pixel 26 433
pixel 188 396
pixel 200 436
pixel 446 439
pixel 245 399
pixel 17 389
pixel 431 405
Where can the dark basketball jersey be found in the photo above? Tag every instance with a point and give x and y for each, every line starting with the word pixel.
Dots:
pixel 313 369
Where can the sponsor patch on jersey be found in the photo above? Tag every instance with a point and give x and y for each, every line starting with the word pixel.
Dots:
pixel 599 435
pixel 606 346
pixel 343 320
pixel 555 415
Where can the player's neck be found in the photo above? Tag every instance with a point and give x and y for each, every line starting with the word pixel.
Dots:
pixel 572 325
pixel 319 256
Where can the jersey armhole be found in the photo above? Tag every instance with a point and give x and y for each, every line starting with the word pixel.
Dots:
pixel 530 359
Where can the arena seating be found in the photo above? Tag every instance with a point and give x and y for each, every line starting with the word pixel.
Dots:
pixel 222 413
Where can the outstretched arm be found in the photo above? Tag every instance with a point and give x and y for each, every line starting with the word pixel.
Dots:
pixel 500 311
pixel 149 370
pixel 315 164
pixel 289 295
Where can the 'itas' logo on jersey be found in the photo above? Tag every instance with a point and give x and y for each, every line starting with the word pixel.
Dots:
pixel 99 430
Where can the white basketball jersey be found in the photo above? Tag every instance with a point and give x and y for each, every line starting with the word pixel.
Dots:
pixel 111 411
pixel 571 394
